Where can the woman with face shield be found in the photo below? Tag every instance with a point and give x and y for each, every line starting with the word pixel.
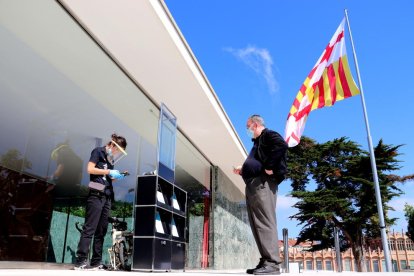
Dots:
pixel 102 173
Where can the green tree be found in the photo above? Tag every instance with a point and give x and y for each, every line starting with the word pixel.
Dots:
pixel 12 160
pixel 122 209
pixel 409 215
pixel 334 186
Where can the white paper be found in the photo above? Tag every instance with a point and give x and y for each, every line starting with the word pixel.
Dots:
pixel 174 230
pixel 175 203
pixel 160 197
pixel 158 224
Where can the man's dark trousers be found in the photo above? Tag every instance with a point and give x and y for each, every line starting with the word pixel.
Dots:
pixel 96 225
pixel 261 195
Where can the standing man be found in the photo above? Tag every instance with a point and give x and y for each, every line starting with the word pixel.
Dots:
pixel 262 171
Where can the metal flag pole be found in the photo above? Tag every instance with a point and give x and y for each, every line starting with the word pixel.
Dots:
pixel 373 163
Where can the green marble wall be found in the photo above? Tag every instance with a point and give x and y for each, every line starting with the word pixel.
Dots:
pixel 57 235
pixel 233 243
pixel 195 241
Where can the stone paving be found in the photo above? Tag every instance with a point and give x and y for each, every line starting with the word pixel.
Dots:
pixel 68 272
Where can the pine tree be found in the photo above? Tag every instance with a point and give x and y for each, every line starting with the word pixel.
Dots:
pixel 334 185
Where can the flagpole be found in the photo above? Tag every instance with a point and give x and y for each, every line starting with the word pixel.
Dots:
pixel 373 163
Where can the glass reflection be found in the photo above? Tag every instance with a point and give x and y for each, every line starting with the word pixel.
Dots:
pixel 58 89
pixel 60 106
pixel 25 208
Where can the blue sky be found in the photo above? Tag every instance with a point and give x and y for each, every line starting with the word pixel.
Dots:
pixel 256 54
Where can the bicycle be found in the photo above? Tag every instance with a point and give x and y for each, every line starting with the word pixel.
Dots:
pixel 121 250
pixel 120 253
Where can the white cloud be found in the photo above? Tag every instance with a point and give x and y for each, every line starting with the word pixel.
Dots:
pixel 398 203
pixel 286 203
pixel 260 61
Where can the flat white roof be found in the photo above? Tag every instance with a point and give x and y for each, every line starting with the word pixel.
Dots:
pixel 142 37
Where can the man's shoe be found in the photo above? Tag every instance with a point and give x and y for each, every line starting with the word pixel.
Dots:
pixel 250 270
pixel 82 265
pixel 99 267
pixel 267 270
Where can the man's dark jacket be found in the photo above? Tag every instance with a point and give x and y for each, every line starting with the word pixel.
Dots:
pixel 271 152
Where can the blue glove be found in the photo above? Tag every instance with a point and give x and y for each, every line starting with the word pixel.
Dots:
pixel 115 174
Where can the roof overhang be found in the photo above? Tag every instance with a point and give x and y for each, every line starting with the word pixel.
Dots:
pixel 142 37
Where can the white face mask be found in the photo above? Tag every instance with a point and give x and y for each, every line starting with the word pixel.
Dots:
pixel 250 133
pixel 110 155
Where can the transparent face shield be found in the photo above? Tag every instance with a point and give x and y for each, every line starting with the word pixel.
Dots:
pixel 115 155
pixel 55 152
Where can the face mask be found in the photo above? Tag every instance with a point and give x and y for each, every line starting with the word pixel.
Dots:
pixel 110 155
pixel 118 155
pixel 250 133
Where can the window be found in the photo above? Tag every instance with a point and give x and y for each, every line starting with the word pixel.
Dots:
pixel 347 266
pixel 309 265
pixel 383 266
pixel 400 244
pixel 367 265
pixel 375 265
pixel 328 265
pixel 410 245
pixel 392 244
pixel 394 266
pixel 403 264
pixel 411 264
pixel 300 263
pixel 319 264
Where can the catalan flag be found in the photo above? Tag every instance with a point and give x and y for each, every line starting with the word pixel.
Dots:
pixel 329 81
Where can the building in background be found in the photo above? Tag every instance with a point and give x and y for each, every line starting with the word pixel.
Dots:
pixel 71 73
pixel 401 250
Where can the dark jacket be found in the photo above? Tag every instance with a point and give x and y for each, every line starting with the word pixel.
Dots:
pixel 272 152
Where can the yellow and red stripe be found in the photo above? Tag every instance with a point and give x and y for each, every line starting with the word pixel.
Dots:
pixel 329 81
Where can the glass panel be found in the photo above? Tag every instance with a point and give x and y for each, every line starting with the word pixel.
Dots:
pixel 59 88
pixel 167 144
pixel 192 173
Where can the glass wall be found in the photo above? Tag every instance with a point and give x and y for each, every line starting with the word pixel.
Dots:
pixel 62 96
pixel 192 173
